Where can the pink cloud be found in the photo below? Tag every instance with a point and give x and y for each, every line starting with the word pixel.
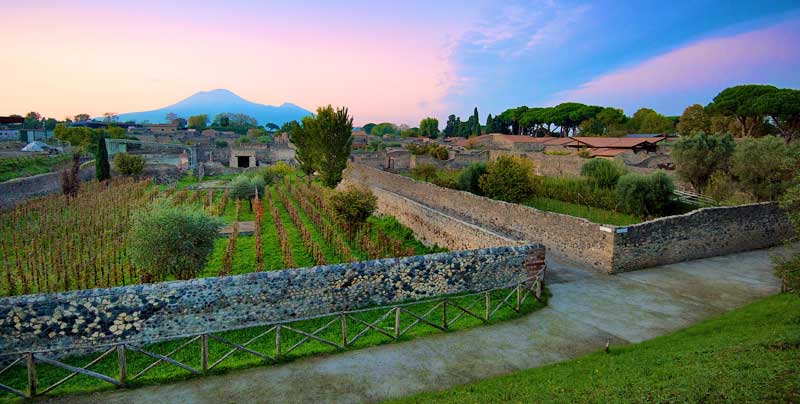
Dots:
pixel 769 55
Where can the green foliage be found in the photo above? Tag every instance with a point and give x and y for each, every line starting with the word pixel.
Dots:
pixel 765 166
pixel 645 195
pixel 581 191
pixel 276 171
pixel 331 132
pixel 788 267
pixel 79 137
pixel 591 213
pixel 783 108
pixel 128 164
pixel 700 155
pixel 725 190
pixel 446 179
pixel 198 122
pixel 429 127
pixel 424 172
pixel 11 168
pixel 220 143
pixel 102 167
pixel 469 180
pixel 647 120
pixel 354 204
pixel 245 186
pixel 434 150
pixel 604 173
pixel 385 128
pixel 740 102
pixel 694 120
pixel 368 128
pixel 509 179
pixel 169 241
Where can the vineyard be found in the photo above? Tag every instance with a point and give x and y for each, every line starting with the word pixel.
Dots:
pixel 57 243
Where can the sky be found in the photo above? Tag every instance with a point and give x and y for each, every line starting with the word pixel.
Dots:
pixel 391 61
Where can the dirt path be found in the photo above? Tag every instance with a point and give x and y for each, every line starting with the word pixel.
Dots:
pixel 585 312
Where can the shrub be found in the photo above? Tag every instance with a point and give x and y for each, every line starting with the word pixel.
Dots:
pixel 584 153
pixel 129 164
pixel 645 194
pixel 276 171
pixel 220 143
pixel 765 166
pixel 447 179
pixel 170 241
pixel 604 173
pixel 470 177
pixel 698 156
pixel 509 179
pixel 354 204
pixel 434 150
pixel 424 172
pixel 788 268
pixel 726 191
pixel 576 190
pixel 244 187
pixel 70 177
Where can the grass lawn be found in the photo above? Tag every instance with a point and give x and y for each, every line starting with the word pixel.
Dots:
pixel 748 355
pixel 26 166
pixel 165 373
pixel 592 214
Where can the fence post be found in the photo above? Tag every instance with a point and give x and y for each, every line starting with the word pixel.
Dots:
pixel 277 341
pixel 344 330
pixel 204 352
pixel 123 365
pixel 488 306
pixel 519 297
pixel 29 360
pixel 444 314
pixel 397 322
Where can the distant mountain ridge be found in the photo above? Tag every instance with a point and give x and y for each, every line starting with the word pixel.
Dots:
pixel 218 101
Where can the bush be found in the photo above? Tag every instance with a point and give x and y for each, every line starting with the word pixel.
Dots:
pixel 788 268
pixel 354 204
pixel 220 143
pixel 765 166
pixel 434 150
pixel 698 156
pixel 447 179
pixel 129 164
pixel 509 179
pixel 584 153
pixel 470 177
pixel 244 186
pixel 276 171
pixel 645 195
pixel 604 173
pixel 576 190
pixel 170 241
pixel 424 172
pixel 726 191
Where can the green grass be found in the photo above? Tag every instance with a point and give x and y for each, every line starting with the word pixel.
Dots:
pixel 27 166
pixel 164 373
pixel 590 213
pixel 749 355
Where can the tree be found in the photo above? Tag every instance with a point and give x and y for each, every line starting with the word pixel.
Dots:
pixel 198 122
pixel 171 241
pixel 354 204
pixel 647 120
pixel 489 127
pixel 32 120
pixel 326 141
pixel 694 119
pixel 783 109
pixel 429 127
pixel 244 187
pixel 79 137
pixel 603 173
pixel 102 167
pixel 450 127
pixel 368 128
pixel 305 149
pixel 109 117
pixel 128 164
pixel 469 179
pixel 765 166
pixel 645 194
pixel 50 124
pixel 385 128
pixel 698 156
pixel 81 117
pixel 475 123
pixel 788 268
pixel 171 116
pixel 740 102
pixel 271 127
pixel 509 179
pixel 70 177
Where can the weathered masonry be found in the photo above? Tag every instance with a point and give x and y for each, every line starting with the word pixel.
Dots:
pixel 90 319
pixel 461 220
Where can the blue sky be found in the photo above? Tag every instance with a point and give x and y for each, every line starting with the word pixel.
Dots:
pixel 392 61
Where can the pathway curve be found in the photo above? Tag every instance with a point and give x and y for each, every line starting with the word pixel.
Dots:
pixel 585 312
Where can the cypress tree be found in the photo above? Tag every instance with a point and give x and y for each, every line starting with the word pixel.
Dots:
pixel 476 123
pixel 490 124
pixel 102 169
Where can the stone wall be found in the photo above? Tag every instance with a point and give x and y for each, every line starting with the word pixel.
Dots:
pixel 702 233
pixel 89 319
pixel 17 190
pixel 568 237
pixel 549 165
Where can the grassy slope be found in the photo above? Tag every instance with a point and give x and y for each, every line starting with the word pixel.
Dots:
pixel 27 166
pixel 592 214
pixel 749 355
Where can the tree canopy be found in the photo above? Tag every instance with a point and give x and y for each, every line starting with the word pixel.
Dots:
pixel 323 143
pixel 429 127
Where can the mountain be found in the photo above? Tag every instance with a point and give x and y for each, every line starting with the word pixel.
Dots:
pixel 218 101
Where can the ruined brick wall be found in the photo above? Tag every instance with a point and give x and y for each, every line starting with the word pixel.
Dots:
pixel 17 190
pixel 88 319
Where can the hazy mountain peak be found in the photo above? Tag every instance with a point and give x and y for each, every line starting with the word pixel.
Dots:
pixel 217 101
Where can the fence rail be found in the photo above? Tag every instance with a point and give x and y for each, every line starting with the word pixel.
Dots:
pixel 693 198
pixel 452 310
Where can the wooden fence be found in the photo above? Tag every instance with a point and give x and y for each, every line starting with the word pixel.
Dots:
pixel 448 309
